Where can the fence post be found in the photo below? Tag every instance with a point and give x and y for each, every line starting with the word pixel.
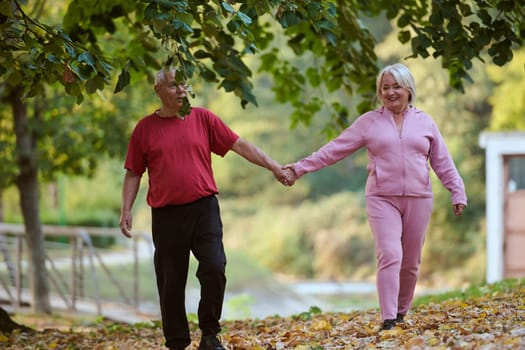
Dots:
pixel 73 291
pixel 81 284
pixel 136 271
pixel 18 279
pixel 7 258
pixel 87 240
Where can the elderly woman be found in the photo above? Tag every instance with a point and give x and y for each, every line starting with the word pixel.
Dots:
pixel 401 141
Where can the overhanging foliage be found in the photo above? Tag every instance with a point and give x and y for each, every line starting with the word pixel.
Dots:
pixel 212 40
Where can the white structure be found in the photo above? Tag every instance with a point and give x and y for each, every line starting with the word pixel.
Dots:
pixel 500 147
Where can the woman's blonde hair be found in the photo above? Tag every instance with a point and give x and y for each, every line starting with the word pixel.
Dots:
pixel 402 76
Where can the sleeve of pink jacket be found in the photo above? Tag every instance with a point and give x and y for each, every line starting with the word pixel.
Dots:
pixel 342 146
pixel 443 165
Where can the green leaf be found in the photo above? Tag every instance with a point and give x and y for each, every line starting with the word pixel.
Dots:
pixel 233 25
pixel 181 25
pixel 123 81
pixel 436 19
pixel 180 76
pixel 54 59
pixel 404 36
pixel 73 89
pixel 91 86
pixel 449 11
pixel 70 50
pixel 151 12
pixel 332 39
pixel 506 5
pixel 200 54
pixel 168 4
pixel 454 28
pixel 324 24
pixel 404 20
pixel 465 9
pixel 419 46
pixel 313 77
pixel 250 49
pixel 6 8
pixel 485 17
pixel 500 59
pixel 289 19
pixel 107 68
pixel 244 18
pixel 268 61
pixel 229 8
pixel 208 74
pixel 186 107
pixel 85 57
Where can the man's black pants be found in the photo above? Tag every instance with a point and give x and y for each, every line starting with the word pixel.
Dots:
pixel 177 230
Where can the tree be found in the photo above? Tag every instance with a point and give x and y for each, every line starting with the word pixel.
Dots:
pixel 211 40
pixel 7 325
pixel 40 142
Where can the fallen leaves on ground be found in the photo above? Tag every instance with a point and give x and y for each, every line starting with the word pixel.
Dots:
pixel 494 321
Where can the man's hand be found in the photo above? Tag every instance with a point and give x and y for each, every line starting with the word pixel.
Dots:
pixel 125 224
pixel 280 174
pixel 129 193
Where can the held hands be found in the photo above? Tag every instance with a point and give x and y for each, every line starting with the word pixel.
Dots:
pixel 285 175
pixel 291 176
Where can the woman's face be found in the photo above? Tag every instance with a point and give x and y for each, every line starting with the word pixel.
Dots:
pixel 394 96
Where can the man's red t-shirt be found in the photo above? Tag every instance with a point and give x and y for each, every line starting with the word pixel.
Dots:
pixel 177 155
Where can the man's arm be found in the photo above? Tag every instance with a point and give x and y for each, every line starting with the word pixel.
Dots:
pixel 254 154
pixel 130 189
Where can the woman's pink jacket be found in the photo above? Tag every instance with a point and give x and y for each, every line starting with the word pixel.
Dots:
pixel 398 160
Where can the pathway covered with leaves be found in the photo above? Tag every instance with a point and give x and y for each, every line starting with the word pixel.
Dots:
pixel 495 320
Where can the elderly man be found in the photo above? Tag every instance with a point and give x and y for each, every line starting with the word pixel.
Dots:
pixel 176 151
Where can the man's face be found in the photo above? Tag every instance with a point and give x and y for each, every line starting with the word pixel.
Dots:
pixel 171 92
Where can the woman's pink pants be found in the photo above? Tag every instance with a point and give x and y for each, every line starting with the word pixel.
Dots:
pixel 399 225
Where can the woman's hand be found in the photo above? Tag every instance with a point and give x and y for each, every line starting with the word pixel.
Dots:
pixel 458 209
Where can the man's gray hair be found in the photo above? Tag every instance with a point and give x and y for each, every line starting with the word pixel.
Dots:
pixel 161 74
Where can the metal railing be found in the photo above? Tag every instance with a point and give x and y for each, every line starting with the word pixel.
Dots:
pixel 69 288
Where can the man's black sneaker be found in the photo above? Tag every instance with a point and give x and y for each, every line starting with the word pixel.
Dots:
pixel 400 318
pixel 210 342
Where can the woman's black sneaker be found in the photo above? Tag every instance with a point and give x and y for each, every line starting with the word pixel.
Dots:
pixel 388 324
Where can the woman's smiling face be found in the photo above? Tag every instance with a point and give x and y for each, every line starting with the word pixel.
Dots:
pixel 394 96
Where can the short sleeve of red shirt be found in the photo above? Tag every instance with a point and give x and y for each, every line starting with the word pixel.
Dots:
pixel 177 155
pixel 222 137
pixel 136 157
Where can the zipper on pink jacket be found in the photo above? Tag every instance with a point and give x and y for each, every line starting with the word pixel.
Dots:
pixel 402 152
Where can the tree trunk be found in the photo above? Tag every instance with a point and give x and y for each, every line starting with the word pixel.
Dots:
pixel 7 325
pixel 27 183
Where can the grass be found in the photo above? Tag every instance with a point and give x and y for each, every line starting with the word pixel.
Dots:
pixel 473 291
